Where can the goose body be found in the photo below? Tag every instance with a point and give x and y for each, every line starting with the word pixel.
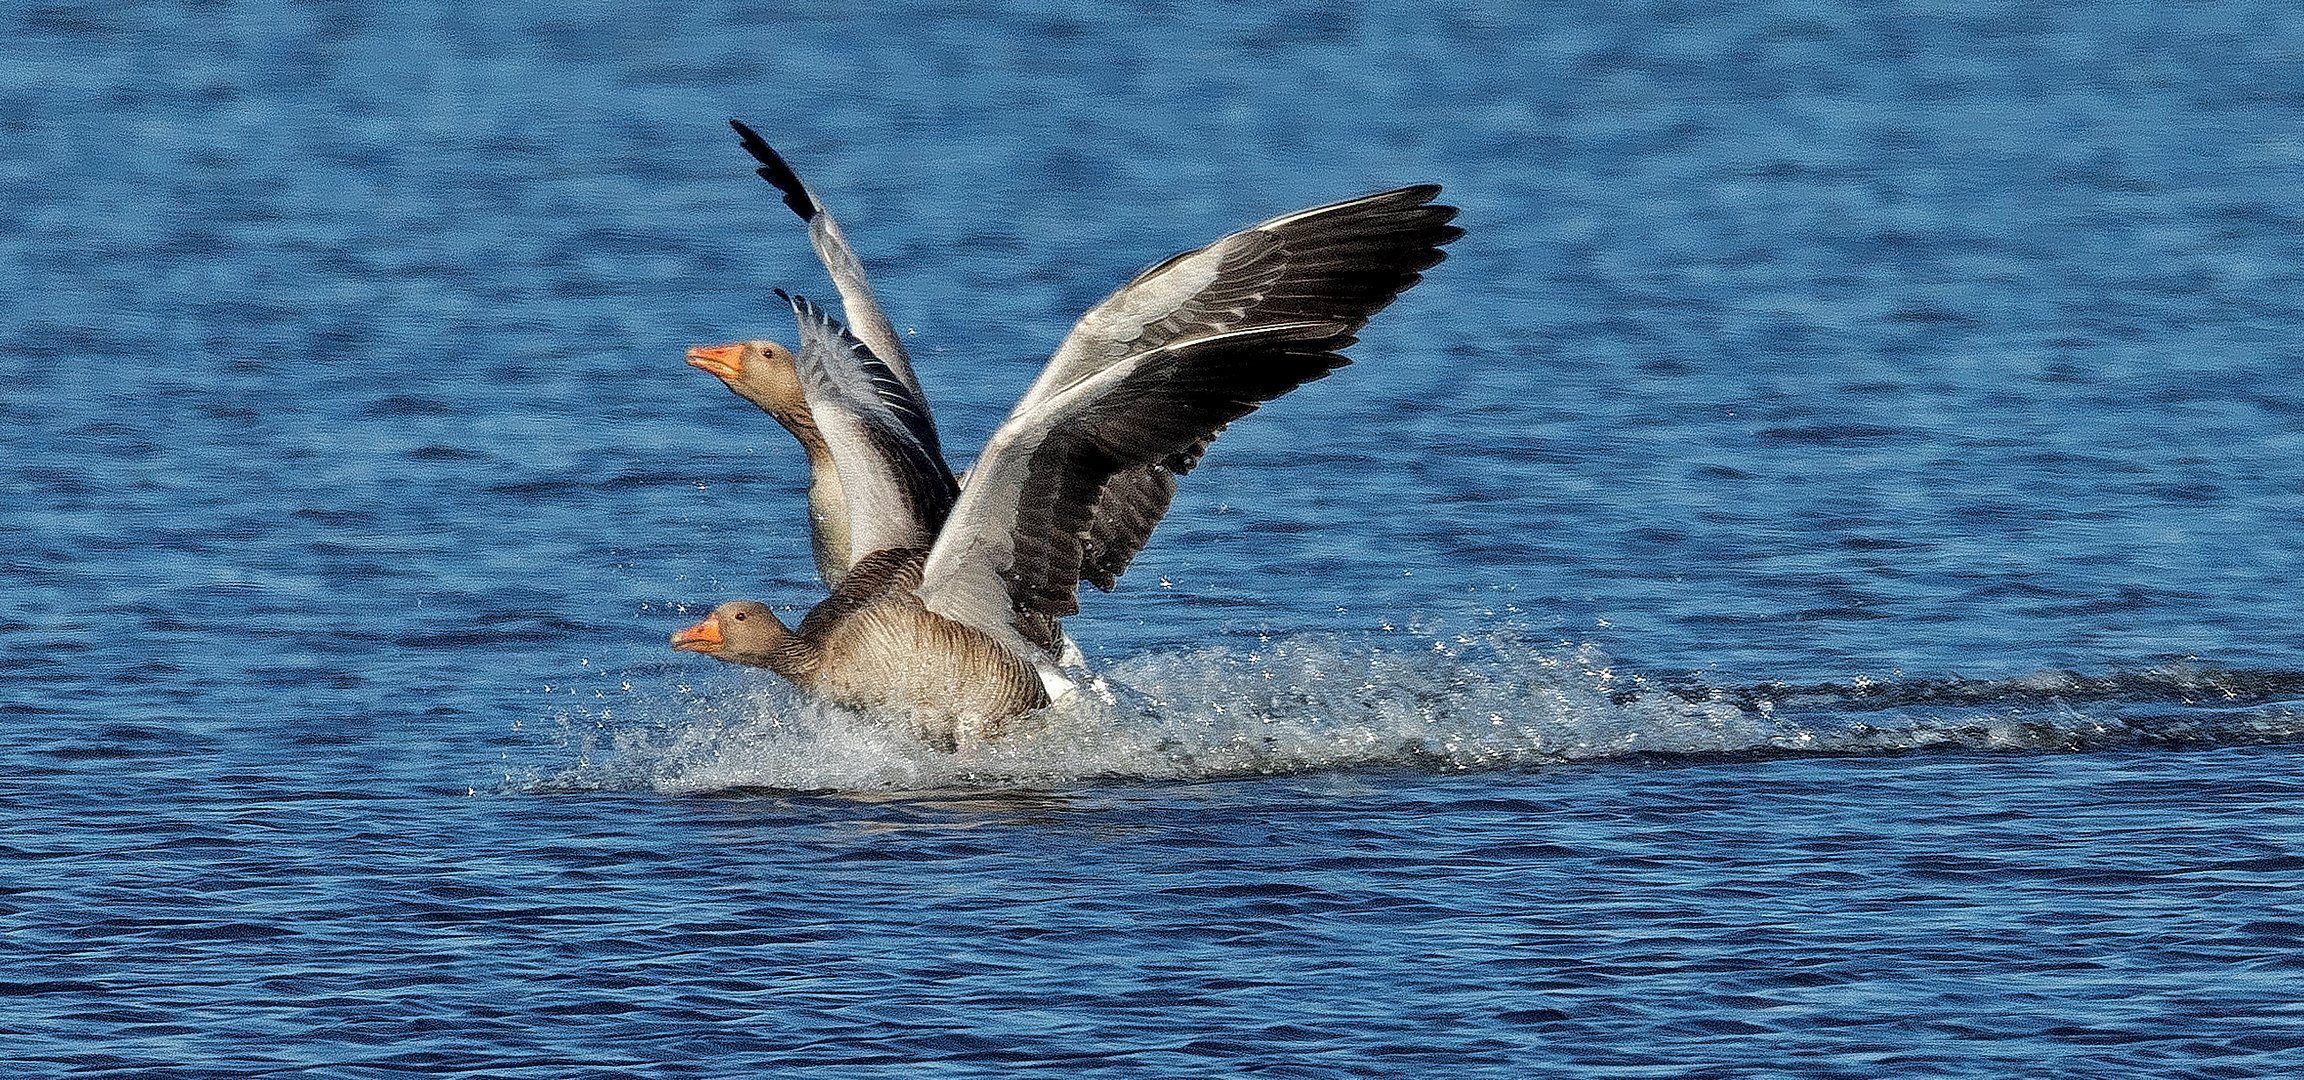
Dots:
pixel 950 601
pixel 873 644
pixel 762 373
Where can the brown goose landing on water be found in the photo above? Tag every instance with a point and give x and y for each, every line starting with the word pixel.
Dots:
pixel 950 605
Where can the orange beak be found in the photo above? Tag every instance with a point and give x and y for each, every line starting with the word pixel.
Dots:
pixel 725 361
pixel 704 637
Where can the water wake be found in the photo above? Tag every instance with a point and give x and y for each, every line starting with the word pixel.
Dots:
pixel 1330 703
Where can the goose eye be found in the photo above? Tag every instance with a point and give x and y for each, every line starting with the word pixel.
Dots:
pixel 739 616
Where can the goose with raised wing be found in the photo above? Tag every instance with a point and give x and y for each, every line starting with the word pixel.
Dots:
pixel 951 604
pixel 762 372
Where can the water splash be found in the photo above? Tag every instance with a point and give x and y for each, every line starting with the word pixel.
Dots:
pixel 1491 701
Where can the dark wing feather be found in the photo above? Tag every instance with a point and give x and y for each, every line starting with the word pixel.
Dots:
pixel 1018 542
pixel 1131 504
pixel 775 171
pixel 1169 406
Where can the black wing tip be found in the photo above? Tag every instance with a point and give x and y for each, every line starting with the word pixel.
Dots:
pixel 1413 195
pixel 774 170
pixel 1417 199
pixel 803 308
pixel 1405 214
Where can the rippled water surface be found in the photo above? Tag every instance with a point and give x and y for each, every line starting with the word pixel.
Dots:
pixel 1807 589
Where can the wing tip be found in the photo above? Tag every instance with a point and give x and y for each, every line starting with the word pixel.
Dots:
pixel 1399 210
pixel 806 310
pixel 775 170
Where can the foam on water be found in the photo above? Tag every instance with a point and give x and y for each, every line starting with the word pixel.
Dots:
pixel 1317 702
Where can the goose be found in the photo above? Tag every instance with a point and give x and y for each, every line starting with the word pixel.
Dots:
pixel 950 608
pixel 762 372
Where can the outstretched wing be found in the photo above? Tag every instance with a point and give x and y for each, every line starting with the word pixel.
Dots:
pixel 1339 263
pixel 892 471
pixel 856 300
pixel 1011 555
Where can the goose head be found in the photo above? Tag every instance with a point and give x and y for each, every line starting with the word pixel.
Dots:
pixel 761 372
pixel 738 632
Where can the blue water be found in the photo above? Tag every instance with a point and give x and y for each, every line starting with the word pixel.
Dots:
pixel 1807 589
